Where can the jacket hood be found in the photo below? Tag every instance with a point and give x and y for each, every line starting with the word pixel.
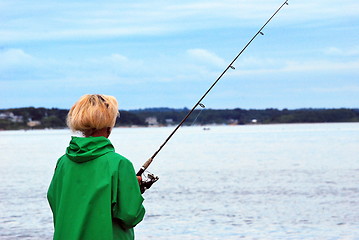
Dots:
pixel 83 149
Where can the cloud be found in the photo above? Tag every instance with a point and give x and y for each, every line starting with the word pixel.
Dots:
pixel 12 58
pixel 139 44
pixel 321 65
pixel 256 66
pixel 320 12
pixel 207 57
pixel 348 52
pixel 16 64
pixel 338 89
pixel 112 62
pixel 95 19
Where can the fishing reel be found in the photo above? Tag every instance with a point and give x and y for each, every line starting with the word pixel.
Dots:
pixel 147 181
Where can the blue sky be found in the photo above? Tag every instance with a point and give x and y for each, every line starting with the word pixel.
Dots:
pixel 167 53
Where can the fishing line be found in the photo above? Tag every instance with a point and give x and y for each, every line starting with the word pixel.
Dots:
pixel 202 107
pixel 230 66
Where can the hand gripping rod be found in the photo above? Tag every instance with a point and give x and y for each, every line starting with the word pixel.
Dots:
pixel 149 161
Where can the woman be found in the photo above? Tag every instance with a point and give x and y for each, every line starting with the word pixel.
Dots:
pixel 94 193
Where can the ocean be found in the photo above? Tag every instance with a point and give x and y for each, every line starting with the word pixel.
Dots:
pixel 285 181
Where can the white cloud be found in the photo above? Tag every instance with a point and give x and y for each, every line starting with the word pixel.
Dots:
pixel 41 20
pixel 254 66
pixel 339 89
pixel 258 63
pixel 206 56
pixel 13 58
pixel 320 12
pixel 348 52
pixel 119 58
pixel 321 65
pixel 115 63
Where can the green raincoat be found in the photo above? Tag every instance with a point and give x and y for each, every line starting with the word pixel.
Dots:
pixel 94 193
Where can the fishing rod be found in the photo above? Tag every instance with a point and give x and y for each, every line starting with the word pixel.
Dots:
pixel 152 178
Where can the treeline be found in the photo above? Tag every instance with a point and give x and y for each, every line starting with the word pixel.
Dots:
pixel 242 116
pixel 25 118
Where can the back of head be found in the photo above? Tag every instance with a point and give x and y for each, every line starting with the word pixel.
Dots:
pixel 93 112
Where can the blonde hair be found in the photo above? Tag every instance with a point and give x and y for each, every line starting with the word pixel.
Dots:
pixel 93 112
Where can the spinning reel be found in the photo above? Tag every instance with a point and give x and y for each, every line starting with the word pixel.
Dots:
pixel 147 181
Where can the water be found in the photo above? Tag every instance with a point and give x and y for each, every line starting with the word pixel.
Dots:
pixel 297 181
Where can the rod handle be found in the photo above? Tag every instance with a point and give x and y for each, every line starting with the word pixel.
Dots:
pixel 144 166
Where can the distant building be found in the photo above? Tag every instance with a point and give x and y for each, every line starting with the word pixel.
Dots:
pixel 3 116
pixel 169 121
pixel 11 117
pixel 33 123
pixel 232 122
pixel 151 121
pixel 254 121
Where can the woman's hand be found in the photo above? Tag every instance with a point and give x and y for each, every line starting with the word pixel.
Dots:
pixel 139 179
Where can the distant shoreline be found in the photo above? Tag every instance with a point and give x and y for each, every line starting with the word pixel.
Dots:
pixel 53 118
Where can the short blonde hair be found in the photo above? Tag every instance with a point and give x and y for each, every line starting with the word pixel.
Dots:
pixel 93 112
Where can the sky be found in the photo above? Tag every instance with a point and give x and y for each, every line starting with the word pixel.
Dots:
pixel 168 53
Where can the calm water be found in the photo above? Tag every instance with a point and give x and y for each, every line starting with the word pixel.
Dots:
pixel 243 182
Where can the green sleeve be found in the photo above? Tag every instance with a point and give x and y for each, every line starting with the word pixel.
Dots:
pixel 51 193
pixel 127 200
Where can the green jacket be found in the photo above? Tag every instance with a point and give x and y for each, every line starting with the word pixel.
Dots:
pixel 94 193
